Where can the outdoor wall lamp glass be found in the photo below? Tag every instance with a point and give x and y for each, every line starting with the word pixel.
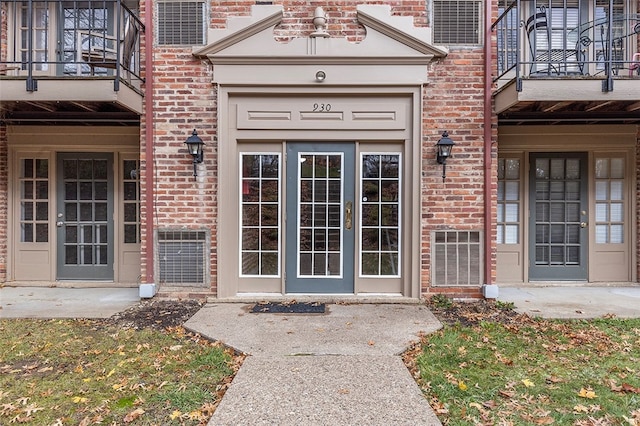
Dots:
pixel 444 145
pixel 194 145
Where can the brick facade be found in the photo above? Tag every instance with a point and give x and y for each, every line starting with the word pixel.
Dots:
pixel 4 202
pixel 185 98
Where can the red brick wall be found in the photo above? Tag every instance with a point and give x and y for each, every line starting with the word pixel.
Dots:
pixel 638 204
pixel 453 101
pixel 184 100
pixel 4 202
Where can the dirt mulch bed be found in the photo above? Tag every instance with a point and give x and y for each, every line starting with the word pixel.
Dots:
pixel 161 314
pixel 156 314
pixel 472 313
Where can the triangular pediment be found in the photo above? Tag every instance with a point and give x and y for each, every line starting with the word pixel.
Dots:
pixel 389 39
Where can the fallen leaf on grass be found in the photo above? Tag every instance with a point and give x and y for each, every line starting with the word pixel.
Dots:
pixel 133 415
pixel 629 389
pixel 528 383
pixel 438 407
pixel 175 414
pixel 507 394
pixel 79 399
pixel 587 393
pixel 462 385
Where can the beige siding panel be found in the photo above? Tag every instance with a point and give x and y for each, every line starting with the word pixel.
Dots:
pixel 509 266
pixel 33 264
pixel 610 266
pixel 316 112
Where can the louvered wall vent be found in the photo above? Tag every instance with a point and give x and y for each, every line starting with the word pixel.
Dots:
pixel 457 22
pixel 181 22
pixel 456 258
pixel 182 257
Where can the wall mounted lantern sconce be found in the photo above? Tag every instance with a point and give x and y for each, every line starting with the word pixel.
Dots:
pixel 444 145
pixel 194 145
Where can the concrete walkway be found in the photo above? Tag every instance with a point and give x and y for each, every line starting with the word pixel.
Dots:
pixel 338 368
pixel 565 302
pixel 54 302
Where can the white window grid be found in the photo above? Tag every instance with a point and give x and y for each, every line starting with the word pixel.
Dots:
pixel 395 203
pixel 313 204
pixel 610 203
pixel 245 183
pixel 508 205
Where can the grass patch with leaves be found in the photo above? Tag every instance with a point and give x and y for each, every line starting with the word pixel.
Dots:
pixel 81 372
pixel 532 371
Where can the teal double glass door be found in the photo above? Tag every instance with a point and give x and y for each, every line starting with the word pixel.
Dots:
pixel 320 217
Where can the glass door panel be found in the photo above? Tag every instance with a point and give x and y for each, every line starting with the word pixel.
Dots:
pixel 85 216
pixel 558 229
pixel 320 232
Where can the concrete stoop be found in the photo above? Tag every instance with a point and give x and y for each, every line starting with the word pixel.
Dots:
pixel 338 368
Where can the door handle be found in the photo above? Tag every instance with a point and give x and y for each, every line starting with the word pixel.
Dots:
pixel 348 215
pixel 584 224
pixel 59 224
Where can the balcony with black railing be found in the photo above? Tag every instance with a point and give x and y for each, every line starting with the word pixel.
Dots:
pixel 79 51
pixel 569 52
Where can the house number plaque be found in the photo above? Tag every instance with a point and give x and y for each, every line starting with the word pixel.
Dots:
pixel 321 107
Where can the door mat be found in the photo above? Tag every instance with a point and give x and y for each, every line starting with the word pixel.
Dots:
pixel 289 308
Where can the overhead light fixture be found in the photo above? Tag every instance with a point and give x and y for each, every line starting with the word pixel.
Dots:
pixel 194 145
pixel 444 145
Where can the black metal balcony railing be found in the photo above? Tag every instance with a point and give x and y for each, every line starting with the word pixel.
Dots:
pixel 535 40
pixel 71 39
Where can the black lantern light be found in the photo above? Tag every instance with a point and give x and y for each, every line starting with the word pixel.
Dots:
pixel 444 145
pixel 194 145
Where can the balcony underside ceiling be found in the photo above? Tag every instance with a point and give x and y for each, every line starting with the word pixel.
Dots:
pixel 84 101
pixel 572 112
pixel 67 113
pixel 569 102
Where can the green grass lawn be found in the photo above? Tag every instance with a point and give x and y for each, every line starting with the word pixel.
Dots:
pixel 533 372
pixel 81 372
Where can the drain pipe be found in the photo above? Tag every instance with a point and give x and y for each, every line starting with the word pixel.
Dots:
pixel 488 289
pixel 149 287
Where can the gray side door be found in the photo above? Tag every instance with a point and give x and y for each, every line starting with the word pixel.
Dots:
pixel 84 218
pixel 558 232
pixel 320 229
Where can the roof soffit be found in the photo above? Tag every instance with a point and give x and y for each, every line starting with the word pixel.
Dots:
pixel 389 39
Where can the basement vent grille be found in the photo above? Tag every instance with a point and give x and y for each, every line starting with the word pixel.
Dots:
pixel 182 257
pixel 181 23
pixel 456 259
pixel 456 22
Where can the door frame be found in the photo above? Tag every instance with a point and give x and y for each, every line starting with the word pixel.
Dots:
pixel 606 262
pixel 33 263
pixel 259 119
